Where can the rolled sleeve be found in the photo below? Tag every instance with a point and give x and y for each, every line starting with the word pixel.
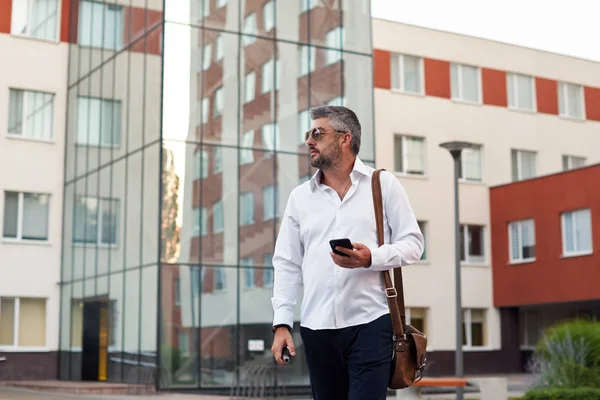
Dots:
pixel 406 243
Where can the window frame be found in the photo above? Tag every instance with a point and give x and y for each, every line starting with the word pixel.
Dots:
pixel 19 238
pixel 521 259
pixel 468 321
pixel 99 224
pixel 120 35
pixel 29 9
pixel 397 70
pixel 569 160
pixel 519 153
pixel 404 138
pixel 15 347
pixel 119 126
pixel 460 97
pixel 565 101
pixel 464 227
pixel 22 136
pixel 462 178
pixel 512 77
pixel 576 252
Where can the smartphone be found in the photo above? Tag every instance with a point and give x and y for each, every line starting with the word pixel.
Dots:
pixel 346 243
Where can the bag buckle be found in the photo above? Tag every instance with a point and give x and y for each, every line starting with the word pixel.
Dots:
pixel 390 292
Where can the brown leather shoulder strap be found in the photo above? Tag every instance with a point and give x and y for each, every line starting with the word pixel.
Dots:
pixel 394 292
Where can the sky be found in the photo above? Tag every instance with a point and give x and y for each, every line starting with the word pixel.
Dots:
pixel 549 25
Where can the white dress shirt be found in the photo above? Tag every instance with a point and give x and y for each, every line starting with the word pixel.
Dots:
pixel 336 297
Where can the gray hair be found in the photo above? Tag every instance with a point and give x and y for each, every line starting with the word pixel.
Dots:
pixel 342 119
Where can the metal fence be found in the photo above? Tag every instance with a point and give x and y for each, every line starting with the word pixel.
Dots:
pixel 258 381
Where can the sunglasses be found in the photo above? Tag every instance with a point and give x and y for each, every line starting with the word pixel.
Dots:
pixel 317 134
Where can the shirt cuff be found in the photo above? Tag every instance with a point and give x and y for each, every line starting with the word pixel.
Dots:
pixel 283 316
pixel 377 259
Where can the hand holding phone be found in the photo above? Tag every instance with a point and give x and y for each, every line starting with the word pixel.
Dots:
pixel 345 243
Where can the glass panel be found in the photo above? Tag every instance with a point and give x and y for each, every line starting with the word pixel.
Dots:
pixel 528 238
pixel 398 154
pixel 525 90
pixel 470 83
pixel 471 164
pixel 36 215
pixel 584 230
pixel 475 243
pixel 510 90
pixel 412 74
pixel 218 326
pixel 358 96
pixel 32 322
pixel 326 18
pixel 454 68
pixel 11 214
pixel 256 232
pixel 357 14
pixel 35 18
pixel 292 19
pixel 7 321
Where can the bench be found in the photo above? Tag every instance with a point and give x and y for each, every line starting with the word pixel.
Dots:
pixel 489 388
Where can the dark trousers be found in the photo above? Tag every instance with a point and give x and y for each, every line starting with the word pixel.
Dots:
pixel 350 363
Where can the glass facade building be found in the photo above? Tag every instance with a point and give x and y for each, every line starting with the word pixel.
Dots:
pixel 185 128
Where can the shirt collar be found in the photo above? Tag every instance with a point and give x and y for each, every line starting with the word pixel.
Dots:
pixel 359 169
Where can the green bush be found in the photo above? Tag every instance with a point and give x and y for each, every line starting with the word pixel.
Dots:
pixel 563 394
pixel 568 356
pixel 584 330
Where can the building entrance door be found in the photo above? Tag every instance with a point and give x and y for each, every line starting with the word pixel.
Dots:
pixel 94 354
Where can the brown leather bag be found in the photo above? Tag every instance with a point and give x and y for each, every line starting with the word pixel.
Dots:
pixel 409 356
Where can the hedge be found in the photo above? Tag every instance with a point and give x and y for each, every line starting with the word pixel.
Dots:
pixel 563 394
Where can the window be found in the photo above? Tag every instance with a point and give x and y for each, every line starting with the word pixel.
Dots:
pixel 221 3
pixel 407 74
pixel 269 193
pixel 217 160
pixel 220 280
pixel 249 87
pixel 409 154
pixel 249 272
pixel 570 100
pixel 270 71
pixel 471 247
pixel 206 57
pixel 205 8
pixel 577 232
pixel 96 220
pixel 30 114
pixel 304 123
pixel 308 60
pixel 22 322
pixel 246 153
pixel 423 228
pixel 35 18
pixel 333 40
pixel 218 102
pixel 219 50
pixel 250 30
pixel 572 162
pixel 98 122
pixel 417 317
pixel 465 83
pixel 218 222
pixel 523 164
pixel 200 221
pixel 306 5
pixel 246 208
pixel 474 328
pixel 530 327
pixel 521 92
pixel 26 216
pixel 95 33
pixel 470 165
pixel 197 280
pixel 270 136
pixel 203 111
pixel 268 272
pixel 183 343
pixel 200 164
pixel 522 240
pixel 177 292
pixel 269 15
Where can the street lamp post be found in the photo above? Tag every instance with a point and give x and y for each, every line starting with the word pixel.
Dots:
pixel 455 149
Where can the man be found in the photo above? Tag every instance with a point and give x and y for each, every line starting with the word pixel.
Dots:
pixel 345 323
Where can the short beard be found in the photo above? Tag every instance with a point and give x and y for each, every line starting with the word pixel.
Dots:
pixel 329 157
